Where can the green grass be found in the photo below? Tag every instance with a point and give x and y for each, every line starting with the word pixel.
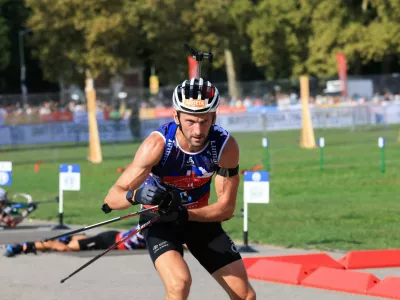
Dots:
pixel 348 205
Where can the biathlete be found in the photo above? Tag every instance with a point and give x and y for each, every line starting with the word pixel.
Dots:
pixel 179 160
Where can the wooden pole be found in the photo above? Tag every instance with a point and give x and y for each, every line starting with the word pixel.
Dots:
pixel 307 131
pixel 94 140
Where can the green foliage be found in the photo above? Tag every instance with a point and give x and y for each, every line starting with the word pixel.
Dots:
pixel 326 39
pixel 4 44
pixel 75 35
pixel 382 36
pixel 290 38
pixel 162 34
pixel 4 41
pixel 285 38
pixel 279 31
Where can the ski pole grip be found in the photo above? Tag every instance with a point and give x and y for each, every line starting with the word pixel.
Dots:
pixel 106 209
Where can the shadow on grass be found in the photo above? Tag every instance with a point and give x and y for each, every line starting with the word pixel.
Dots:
pixel 75 159
pixel 329 241
pixel 322 244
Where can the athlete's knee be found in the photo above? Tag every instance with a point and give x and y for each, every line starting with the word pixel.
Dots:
pixel 244 294
pixel 251 294
pixel 74 245
pixel 178 286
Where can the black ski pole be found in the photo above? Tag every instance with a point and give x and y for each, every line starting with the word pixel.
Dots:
pixel 133 214
pixel 141 227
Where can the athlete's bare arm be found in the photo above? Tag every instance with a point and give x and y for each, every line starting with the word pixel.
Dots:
pixel 147 156
pixel 226 189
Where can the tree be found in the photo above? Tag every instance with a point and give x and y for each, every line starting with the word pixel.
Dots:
pixel 279 33
pixel 73 36
pixel 14 13
pixel 331 34
pixel 163 33
pixel 295 37
pixel 219 26
pixel 4 41
pixel 382 38
pixel 4 44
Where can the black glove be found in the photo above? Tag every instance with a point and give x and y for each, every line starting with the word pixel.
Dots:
pixel 149 195
pixel 172 210
pixel 106 209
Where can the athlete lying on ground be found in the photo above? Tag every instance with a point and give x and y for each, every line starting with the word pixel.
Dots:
pixel 100 241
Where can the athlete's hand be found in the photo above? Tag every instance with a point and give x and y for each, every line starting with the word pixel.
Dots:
pixel 171 208
pixel 149 195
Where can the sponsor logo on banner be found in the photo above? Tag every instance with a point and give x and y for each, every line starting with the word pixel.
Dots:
pixel 56 117
pixel 166 112
pixel 147 113
pixel 231 110
pixel 22 119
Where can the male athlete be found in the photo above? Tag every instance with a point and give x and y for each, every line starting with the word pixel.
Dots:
pixel 180 158
pixel 100 241
pixel 9 215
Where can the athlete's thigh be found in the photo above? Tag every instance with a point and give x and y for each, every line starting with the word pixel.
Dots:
pixel 59 246
pixel 210 245
pixel 99 241
pixel 74 245
pixel 161 238
pixel 90 243
pixel 233 278
pixel 164 244
pixel 173 269
pixel 78 237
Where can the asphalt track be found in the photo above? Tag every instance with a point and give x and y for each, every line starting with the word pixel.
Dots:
pixel 127 274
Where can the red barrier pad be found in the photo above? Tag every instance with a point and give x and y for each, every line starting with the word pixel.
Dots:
pixel 278 271
pixel 387 288
pixel 249 261
pixel 371 259
pixel 341 280
pixel 310 261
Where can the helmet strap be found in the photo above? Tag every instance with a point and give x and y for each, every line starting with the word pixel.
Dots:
pixel 180 124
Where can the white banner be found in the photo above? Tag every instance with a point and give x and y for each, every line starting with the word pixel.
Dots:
pixel 116 131
pixel 241 122
pixel 109 131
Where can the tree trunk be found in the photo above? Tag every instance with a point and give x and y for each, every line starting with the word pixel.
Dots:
pixel 231 74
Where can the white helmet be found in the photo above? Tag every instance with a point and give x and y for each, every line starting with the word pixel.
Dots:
pixel 196 96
